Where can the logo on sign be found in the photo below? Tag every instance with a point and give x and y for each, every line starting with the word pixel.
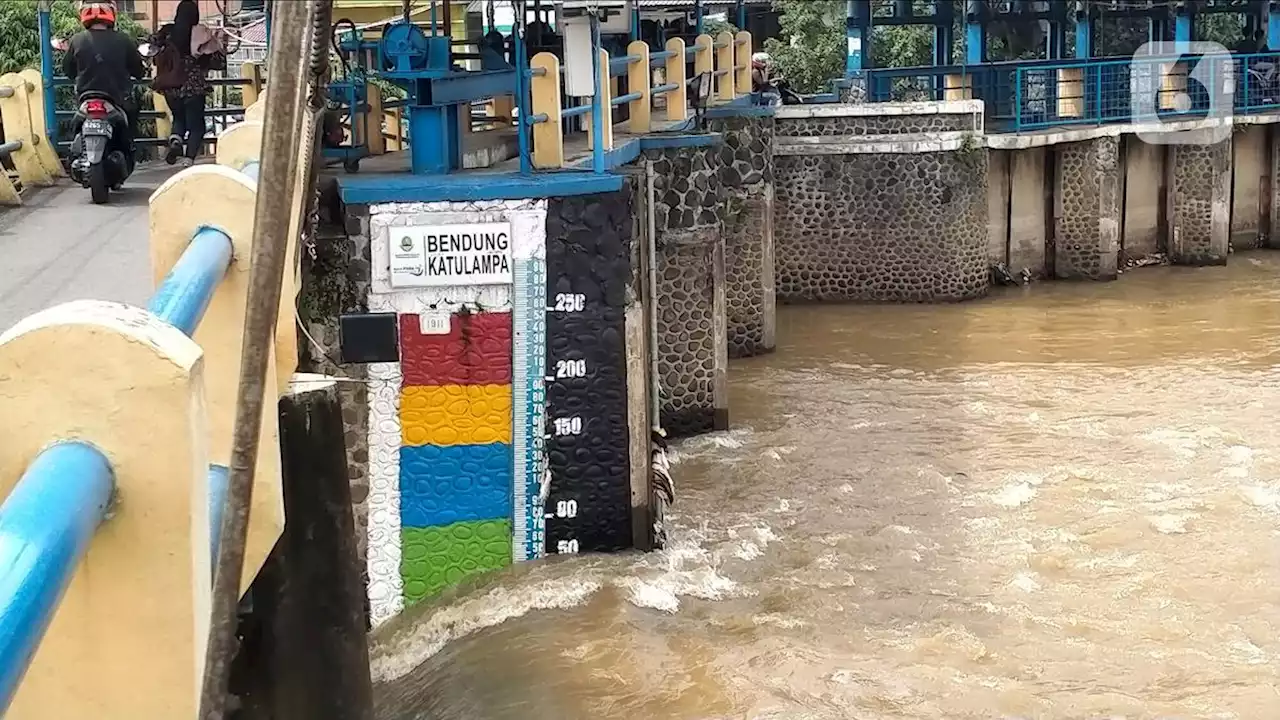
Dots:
pixel 439 255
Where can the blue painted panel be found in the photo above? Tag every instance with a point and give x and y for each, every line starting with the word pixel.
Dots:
pixel 46 524
pixel 473 186
pixel 184 294
pixel 219 480
pixel 754 111
pixel 656 142
pixel 623 153
pixel 445 485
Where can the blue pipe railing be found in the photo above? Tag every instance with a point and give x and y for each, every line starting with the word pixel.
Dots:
pixel 46 525
pixel 48 520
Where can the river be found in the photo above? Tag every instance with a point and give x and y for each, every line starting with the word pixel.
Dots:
pixel 1059 502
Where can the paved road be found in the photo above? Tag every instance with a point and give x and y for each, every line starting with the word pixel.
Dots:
pixel 60 247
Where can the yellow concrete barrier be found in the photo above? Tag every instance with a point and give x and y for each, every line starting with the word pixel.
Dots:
pixel 240 144
pixel 224 199
pixel 47 153
pixel 128 638
pixel 15 113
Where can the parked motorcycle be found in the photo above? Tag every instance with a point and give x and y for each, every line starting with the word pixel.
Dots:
pixel 100 156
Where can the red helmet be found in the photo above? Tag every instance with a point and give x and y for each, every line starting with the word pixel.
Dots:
pixel 97 12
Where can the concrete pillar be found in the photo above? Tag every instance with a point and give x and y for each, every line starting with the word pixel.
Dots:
pixel 1144 184
pixel 998 162
pixel 1087 209
pixel 1028 208
pixel 1273 185
pixel 310 656
pixel 746 172
pixel 1249 164
pixel 1199 203
pixel 692 330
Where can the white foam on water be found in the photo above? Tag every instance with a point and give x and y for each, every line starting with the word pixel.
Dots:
pixel 1171 523
pixel 1262 496
pixel 409 648
pixel 662 591
pixel 1015 495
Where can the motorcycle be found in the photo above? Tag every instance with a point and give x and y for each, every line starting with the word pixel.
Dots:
pixel 100 156
pixel 776 92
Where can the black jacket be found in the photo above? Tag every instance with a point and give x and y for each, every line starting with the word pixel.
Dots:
pixel 103 61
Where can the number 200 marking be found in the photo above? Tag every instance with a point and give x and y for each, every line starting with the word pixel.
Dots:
pixel 571 368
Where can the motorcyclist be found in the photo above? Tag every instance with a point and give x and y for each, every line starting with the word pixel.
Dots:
pixel 103 60
pixel 763 91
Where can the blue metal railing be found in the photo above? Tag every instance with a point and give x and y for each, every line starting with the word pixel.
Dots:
pixel 1030 95
pixel 48 520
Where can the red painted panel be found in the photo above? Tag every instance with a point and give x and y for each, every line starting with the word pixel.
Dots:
pixel 477 351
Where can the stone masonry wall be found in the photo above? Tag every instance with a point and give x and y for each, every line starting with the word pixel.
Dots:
pixel 746 173
pixel 1087 209
pixel 907 227
pixel 336 279
pixel 1200 203
pixel 690 302
pixel 875 125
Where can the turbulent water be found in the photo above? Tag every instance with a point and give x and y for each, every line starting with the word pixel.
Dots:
pixel 1059 502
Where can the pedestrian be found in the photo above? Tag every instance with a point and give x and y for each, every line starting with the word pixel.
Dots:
pixel 189 51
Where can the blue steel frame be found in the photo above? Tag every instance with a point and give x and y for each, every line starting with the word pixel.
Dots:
pixel 45 22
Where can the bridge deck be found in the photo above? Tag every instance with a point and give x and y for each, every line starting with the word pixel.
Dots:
pixel 60 247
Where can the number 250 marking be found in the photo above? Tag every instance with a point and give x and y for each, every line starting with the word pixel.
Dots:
pixel 570 302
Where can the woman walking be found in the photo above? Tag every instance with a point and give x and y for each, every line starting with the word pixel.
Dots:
pixel 182 76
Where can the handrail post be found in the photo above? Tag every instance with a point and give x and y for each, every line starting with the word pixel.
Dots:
pixel 677 101
pixel 724 80
pixel 544 92
pixel 164 123
pixel 602 107
pixel 742 63
pixel 640 80
pixel 704 62
pixel 252 72
pixel 373 121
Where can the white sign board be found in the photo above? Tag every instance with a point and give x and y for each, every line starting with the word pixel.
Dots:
pixel 437 255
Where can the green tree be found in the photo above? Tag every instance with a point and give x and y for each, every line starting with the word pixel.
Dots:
pixel 20 43
pixel 811 50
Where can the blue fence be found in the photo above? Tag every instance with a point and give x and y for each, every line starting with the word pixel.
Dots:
pixel 1039 94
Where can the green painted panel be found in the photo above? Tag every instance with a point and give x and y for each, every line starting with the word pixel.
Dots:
pixel 436 557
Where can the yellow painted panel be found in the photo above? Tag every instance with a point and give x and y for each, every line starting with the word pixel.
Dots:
pixel 455 415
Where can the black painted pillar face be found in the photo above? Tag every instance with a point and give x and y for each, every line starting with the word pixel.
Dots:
pixel 588 268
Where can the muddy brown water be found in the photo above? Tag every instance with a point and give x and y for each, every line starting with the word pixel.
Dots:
pixel 1059 502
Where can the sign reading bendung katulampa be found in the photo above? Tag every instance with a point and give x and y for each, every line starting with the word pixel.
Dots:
pixel 439 255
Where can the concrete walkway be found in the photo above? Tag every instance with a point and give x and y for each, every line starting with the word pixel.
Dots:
pixel 59 246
